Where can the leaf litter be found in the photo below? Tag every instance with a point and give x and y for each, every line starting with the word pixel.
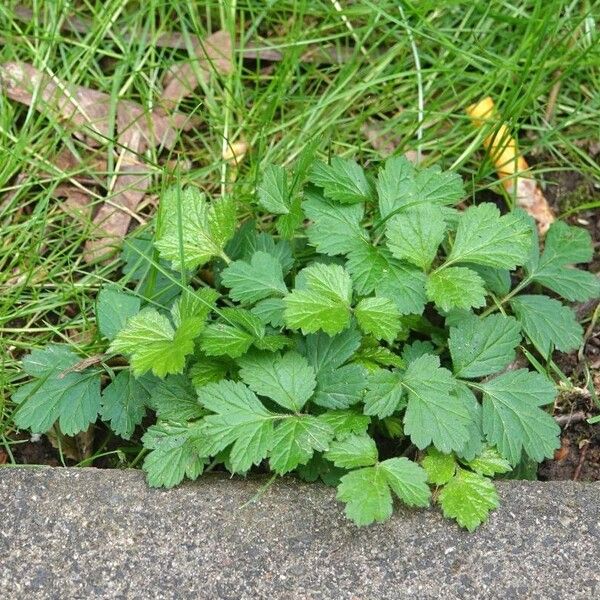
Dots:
pixel 87 112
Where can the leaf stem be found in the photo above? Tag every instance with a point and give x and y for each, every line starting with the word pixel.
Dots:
pixel 508 296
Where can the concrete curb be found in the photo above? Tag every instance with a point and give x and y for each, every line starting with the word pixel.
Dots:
pixel 87 533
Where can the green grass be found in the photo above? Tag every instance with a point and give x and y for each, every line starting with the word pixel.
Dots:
pixel 515 51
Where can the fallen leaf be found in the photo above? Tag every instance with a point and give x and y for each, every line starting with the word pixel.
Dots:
pixel 563 452
pixel 511 167
pixel 212 54
pixel 167 39
pixel 86 111
pixel 119 208
pixel 235 152
pixel 327 55
pixel 77 447
pixel 386 142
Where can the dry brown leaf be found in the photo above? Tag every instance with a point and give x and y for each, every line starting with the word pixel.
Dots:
pixel 77 448
pixel 385 142
pixel 119 208
pixel 87 112
pixel 235 152
pixel 327 55
pixel 168 39
pixel 511 167
pixel 213 54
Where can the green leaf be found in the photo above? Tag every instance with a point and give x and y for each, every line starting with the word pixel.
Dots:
pixel 175 399
pixel 566 245
pixel 367 266
pixel 324 305
pixel 273 191
pixel 405 285
pixel 440 467
pixel 512 419
pixel 326 352
pixel 235 337
pixel 484 237
pixel 296 439
pixel 395 185
pixel 483 346
pixel 438 187
pixel 273 343
pixel 379 317
pixel 190 230
pixel 455 287
pixel 222 339
pixel 58 393
pixel 374 356
pixel 175 454
pixel 400 186
pixel 434 413
pixel 408 481
pixel 572 284
pixel 320 468
pixel 343 180
pixel 42 362
pixel 142 264
pixel 245 319
pixel 252 242
pixel 113 308
pixel 352 452
pixel 384 394
pixel 253 281
pixel 497 281
pixel 152 344
pixel 240 421
pixel 415 234
pixel 341 387
pixel 410 352
pixel 335 229
pixel 287 224
pixel 330 279
pixel 468 498
pixel 548 323
pixel 489 462
pixel 208 370
pixel 124 403
pixel 288 380
pixel 346 422
pixel 190 310
pixel 367 495
pixel 222 221
pixel 474 445
pixel 270 311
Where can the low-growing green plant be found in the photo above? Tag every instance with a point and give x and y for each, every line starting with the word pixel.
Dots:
pixel 366 336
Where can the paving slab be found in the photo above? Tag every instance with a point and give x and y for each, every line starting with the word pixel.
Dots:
pixel 88 533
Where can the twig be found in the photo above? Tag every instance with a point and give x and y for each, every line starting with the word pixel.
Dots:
pixel 584 449
pixel 83 364
pixel 566 420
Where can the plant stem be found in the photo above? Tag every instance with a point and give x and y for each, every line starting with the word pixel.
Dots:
pixel 506 298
